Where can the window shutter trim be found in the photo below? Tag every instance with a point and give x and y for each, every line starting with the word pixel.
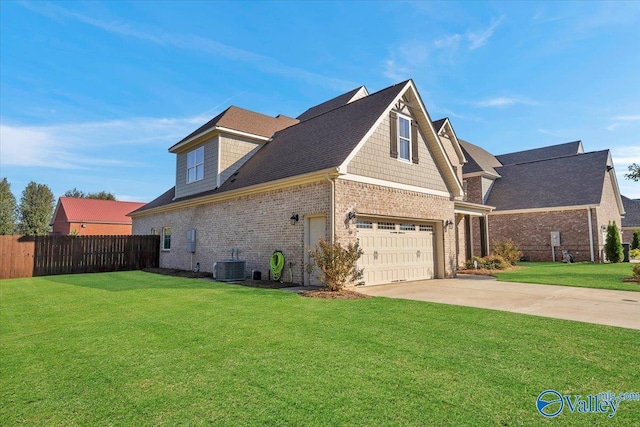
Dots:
pixel 393 125
pixel 414 142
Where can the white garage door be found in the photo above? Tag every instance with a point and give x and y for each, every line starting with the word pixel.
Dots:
pixel 395 251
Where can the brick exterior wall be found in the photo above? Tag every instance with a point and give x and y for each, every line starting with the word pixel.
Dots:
pixel 368 199
pixel 256 225
pixel 532 233
pixel 474 189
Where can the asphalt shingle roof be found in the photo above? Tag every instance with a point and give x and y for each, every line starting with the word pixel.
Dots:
pixel 94 210
pixel 565 181
pixel 319 143
pixel 329 105
pixel 478 159
pixel 632 215
pixel 543 153
pixel 239 119
pixel 437 124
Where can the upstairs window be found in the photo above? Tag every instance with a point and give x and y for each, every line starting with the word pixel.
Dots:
pixel 404 138
pixel 195 165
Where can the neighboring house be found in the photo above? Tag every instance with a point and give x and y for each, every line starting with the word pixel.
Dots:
pixel 551 189
pixel 372 167
pixel 631 219
pixel 92 216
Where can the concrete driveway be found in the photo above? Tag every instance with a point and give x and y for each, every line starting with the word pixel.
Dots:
pixel 605 307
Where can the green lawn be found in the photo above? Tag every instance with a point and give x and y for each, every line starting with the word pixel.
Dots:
pixel 134 348
pixel 583 274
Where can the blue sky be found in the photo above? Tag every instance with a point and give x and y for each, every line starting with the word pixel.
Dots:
pixel 92 94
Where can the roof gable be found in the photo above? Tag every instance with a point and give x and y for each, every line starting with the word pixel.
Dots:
pixel 95 210
pixel 334 103
pixel 565 181
pixel 443 127
pixel 543 153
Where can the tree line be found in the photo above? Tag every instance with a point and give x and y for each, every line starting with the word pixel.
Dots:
pixel 33 215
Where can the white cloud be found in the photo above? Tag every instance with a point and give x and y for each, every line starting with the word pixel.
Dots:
pixel 621 121
pixel 503 101
pixel 478 39
pixel 89 144
pixel 448 42
pixel 264 63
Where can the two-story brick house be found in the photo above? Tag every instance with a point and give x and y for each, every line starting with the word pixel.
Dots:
pixel 367 166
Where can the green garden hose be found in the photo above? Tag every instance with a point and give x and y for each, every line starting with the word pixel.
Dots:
pixel 276 262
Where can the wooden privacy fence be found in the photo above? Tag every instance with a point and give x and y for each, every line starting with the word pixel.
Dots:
pixel 51 255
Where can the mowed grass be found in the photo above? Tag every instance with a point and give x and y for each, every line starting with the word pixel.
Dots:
pixel 134 348
pixel 583 274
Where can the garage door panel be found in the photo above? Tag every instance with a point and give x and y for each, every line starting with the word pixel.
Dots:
pixel 396 253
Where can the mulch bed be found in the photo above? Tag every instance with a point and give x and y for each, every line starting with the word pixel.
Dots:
pixel 327 294
pixel 179 273
pixel 632 279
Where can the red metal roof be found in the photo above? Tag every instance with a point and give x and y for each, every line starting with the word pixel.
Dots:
pixel 93 210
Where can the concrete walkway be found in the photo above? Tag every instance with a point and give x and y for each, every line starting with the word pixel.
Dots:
pixel 605 307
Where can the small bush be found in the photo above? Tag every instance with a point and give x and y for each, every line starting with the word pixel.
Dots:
pixel 634 253
pixel 491 262
pixel 337 264
pixel 508 251
pixel 636 271
pixel 635 243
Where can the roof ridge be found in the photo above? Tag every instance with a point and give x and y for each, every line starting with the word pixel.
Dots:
pixel 350 103
pixel 551 158
pixel 538 148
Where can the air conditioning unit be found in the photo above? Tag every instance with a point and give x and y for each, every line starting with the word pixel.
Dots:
pixel 229 270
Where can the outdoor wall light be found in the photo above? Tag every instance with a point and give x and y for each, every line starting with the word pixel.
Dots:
pixel 294 218
pixel 448 224
pixel 603 228
pixel 352 215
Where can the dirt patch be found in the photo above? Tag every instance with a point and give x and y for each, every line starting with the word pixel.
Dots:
pixel 327 294
pixel 178 273
pixel 486 272
pixel 265 284
pixel 632 279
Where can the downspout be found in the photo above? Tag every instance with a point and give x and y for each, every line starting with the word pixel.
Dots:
pixel 332 213
pixel 593 256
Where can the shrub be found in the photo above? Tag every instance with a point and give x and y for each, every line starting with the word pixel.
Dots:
pixel 491 262
pixel 337 264
pixel 636 271
pixel 635 243
pixel 634 253
pixel 613 245
pixel 508 251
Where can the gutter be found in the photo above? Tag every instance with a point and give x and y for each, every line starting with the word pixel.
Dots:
pixel 332 212
pixel 590 221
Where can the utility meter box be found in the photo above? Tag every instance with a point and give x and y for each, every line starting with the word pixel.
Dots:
pixel 555 238
pixel 191 240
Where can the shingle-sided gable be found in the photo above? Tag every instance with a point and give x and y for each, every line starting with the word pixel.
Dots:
pixel 566 181
pixel 543 153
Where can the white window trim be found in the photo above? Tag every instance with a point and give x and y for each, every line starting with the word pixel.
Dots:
pixel 164 230
pixel 408 118
pixel 195 165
